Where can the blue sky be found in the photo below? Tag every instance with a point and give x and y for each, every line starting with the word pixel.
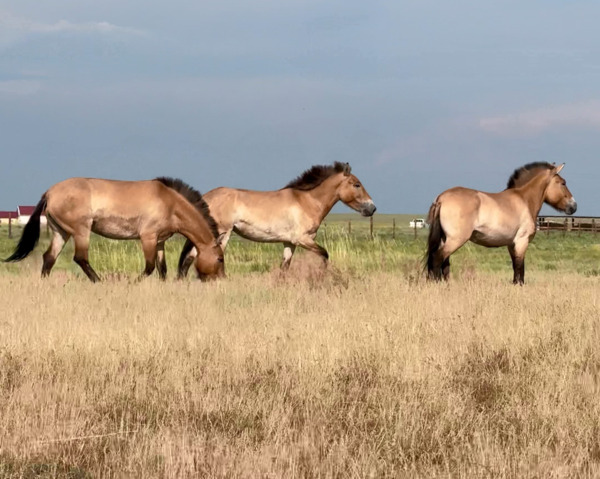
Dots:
pixel 418 96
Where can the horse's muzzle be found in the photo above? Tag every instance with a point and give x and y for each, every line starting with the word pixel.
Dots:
pixel 571 207
pixel 367 209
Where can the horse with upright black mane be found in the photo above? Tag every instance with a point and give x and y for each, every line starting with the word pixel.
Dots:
pixel 291 215
pixel 507 218
pixel 151 211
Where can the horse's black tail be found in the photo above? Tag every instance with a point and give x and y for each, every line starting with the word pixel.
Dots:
pixel 31 233
pixel 436 236
pixel 183 266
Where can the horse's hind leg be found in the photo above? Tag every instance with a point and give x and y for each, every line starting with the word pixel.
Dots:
pixel 161 262
pixel 82 244
pixel 449 247
pixel 446 269
pixel 56 245
pixel 288 252
pixel 438 265
pixel 434 266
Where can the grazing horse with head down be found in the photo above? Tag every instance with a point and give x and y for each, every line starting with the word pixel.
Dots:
pixel 507 218
pixel 291 215
pixel 151 211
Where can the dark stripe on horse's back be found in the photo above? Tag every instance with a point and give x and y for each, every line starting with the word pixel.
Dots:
pixel 316 175
pixel 194 197
pixel 520 174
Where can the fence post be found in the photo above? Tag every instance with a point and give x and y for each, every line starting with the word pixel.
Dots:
pixel 393 228
pixel 566 226
pixel 547 227
pixel 371 226
pixel 10 225
pixel 349 227
pixel 593 225
pixel 415 223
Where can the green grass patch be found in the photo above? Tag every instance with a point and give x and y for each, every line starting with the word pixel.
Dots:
pixel 351 249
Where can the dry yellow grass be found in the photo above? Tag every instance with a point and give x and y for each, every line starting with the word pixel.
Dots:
pixel 330 376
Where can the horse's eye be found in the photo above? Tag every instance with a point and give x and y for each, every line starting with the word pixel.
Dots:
pixel 220 259
pixel 356 185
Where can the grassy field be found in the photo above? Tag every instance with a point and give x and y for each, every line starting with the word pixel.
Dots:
pixel 360 370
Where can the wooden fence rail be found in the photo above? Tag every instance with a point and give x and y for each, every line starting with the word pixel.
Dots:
pixel 578 224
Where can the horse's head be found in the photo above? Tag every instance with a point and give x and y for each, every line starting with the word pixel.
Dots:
pixel 210 261
pixel 558 195
pixel 353 193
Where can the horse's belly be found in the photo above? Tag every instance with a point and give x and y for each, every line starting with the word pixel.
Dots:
pixel 492 239
pixel 264 234
pixel 117 228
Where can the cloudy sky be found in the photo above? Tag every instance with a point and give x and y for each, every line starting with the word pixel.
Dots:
pixel 417 95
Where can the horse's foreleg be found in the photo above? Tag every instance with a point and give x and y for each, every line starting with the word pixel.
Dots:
pixel 288 252
pixel 82 243
pixel 149 247
pixel 186 259
pixel 517 255
pixel 56 246
pixel 161 262
pixel 315 248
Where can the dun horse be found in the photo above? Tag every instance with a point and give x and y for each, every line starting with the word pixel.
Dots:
pixel 291 215
pixel 151 211
pixel 507 218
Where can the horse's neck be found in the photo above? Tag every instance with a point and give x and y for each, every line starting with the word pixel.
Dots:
pixel 325 196
pixel 533 193
pixel 190 226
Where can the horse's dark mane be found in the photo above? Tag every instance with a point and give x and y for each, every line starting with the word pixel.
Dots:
pixel 523 174
pixel 194 197
pixel 316 175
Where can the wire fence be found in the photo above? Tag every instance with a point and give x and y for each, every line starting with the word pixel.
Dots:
pixel 393 227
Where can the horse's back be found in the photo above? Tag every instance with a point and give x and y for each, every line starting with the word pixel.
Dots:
pixel 101 185
pixel 98 193
pixel 460 199
pixel 231 202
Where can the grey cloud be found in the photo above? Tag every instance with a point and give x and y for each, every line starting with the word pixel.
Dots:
pixel 532 122
pixel 16 28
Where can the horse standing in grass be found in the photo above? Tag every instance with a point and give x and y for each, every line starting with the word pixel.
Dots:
pixel 507 218
pixel 151 211
pixel 291 215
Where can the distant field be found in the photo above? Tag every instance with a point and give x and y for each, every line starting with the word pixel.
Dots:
pixel 360 370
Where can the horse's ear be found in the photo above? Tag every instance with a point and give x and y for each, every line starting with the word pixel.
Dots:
pixel 558 169
pixel 347 170
pixel 219 239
